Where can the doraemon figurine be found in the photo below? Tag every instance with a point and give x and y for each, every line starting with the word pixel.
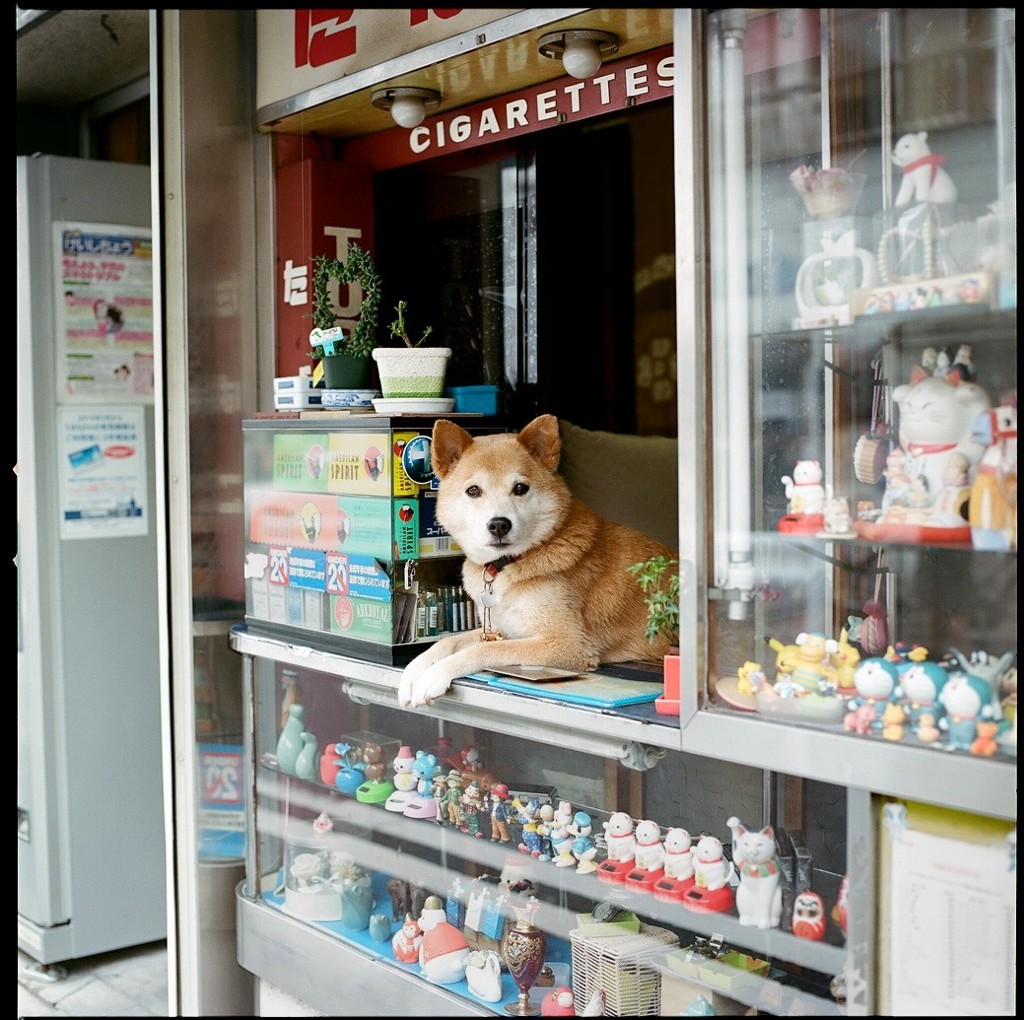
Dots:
pixel 875 679
pixel 920 686
pixel 967 700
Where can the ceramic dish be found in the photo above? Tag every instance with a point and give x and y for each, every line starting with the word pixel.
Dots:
pixel 410 405
pixel 348 398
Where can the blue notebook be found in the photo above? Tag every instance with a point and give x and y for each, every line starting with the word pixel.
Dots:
pixel 590 689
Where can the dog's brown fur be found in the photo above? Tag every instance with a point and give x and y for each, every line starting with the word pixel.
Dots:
pixel 566 599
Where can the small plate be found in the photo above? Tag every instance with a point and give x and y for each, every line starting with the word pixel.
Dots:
pixel 347 398
pixel 411 405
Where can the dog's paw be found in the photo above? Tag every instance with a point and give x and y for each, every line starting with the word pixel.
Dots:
pixel 405 685
pixel 432 684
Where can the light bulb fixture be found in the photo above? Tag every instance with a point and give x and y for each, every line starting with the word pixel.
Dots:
pixel 407 103
pixel 581 49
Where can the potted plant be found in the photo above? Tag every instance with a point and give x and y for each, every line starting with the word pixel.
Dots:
pixel 659 583
pixel 411 371
pixel 345 356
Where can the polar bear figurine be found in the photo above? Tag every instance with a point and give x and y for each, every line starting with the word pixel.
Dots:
pixel 619 837
pixel 649 852
pixel 924 180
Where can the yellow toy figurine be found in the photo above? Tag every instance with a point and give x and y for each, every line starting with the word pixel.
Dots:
pixel 813 672
pixel 750 677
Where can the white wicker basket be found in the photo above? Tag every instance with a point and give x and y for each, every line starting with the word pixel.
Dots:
pixel 626 968
pixel 412 372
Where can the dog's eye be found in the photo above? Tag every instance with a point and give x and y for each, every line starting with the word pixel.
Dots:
pixel 473 492
pixel 520 489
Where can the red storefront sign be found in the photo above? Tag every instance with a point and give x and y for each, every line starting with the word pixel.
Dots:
pixel 618 85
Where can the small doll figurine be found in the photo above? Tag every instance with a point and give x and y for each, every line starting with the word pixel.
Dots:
pixel 453 798
pixel 759 896
pixel 920 686
pixel 649 852
pixel 621 844
pixel 984 744
pixel 472 805
pixel 875 679
pixel 439 791
pixel 529 816
pixel 804 489
pixel 967 700
pixel 648 857
pixel 924 179
pixel 893 718
pixel 808 915
pixel 404 780
pixel 678 854
pixel 545 818
pixel 407 940
pixel 584 850
pixel 813 667
pixel 710 891
pixel 498 798
pixel 561 844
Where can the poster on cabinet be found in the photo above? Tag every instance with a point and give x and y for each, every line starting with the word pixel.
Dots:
pixel 948 913
pixel 103 472
pixel 104 312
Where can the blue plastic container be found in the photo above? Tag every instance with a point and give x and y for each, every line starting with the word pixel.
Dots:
pixel 474 399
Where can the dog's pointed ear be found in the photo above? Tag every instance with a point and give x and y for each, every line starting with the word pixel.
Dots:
pixel 543 441
pixel 447 445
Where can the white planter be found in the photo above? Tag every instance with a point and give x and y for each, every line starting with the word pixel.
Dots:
pixel 416 372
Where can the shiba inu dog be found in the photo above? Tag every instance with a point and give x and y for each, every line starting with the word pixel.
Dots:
pixel 549 576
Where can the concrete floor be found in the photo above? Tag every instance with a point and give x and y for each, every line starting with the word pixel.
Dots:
pixel 126 982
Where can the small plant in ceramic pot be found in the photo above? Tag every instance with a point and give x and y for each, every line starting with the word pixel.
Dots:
pixel 658 578
pixel 345 356
pixel 411 371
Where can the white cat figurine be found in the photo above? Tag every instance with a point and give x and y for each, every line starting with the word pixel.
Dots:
pixel 804 490
pixel 935 444
pixel 759 896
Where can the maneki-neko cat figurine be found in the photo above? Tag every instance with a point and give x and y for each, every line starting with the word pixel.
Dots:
pixel 928 476
pixel 806 495
pixel 759 896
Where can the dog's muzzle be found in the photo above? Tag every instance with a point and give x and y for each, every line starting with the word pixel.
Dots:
pixel 499 527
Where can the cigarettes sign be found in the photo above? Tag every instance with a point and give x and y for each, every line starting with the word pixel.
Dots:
pixel 618 85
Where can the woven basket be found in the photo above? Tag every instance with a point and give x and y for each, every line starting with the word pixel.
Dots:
pixel 626 968
pixel 411 372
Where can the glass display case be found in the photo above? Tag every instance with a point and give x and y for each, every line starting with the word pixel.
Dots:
pixel 861 561
pixel 835 329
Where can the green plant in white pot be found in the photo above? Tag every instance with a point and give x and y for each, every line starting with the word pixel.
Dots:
pixel 345 356
pixel 412 371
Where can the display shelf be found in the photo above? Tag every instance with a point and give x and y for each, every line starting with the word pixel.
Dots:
pixel 333 976
pixel 586 729
pixel 930 775
pixel 408 839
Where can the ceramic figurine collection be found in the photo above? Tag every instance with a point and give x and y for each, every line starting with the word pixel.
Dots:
pixel 485 927
pixel 959 702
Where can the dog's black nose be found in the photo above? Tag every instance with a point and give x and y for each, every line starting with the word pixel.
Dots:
pixel 499 527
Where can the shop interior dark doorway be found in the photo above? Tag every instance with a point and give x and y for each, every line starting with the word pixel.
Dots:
pixel 548 268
